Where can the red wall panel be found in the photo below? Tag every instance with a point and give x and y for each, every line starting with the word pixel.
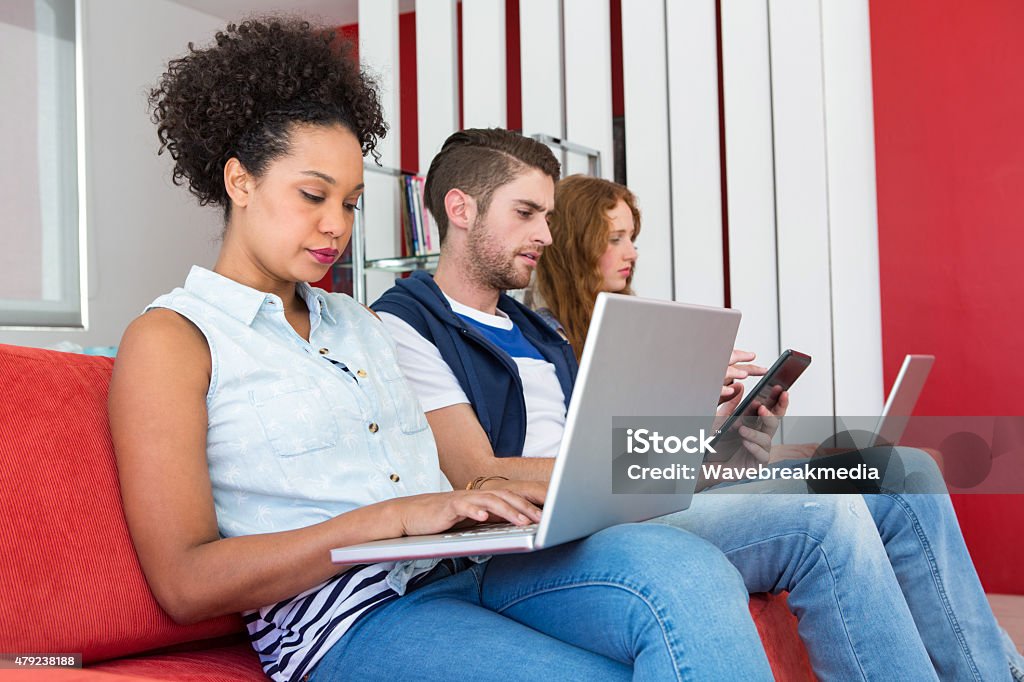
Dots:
pixel 949 131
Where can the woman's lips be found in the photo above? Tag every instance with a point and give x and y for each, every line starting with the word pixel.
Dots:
pixel 325 256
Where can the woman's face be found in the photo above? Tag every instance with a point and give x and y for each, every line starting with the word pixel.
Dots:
pixel 616 265
pixel 299 214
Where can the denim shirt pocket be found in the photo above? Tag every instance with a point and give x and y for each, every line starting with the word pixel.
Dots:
pixel 294 417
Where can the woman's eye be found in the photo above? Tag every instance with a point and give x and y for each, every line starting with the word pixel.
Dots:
pixel 615 240
pixel 311 197
pixel 351 207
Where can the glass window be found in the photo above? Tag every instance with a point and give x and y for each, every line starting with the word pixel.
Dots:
pixel 40 235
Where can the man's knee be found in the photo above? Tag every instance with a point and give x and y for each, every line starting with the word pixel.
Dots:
pixel 907 470
pixel 818 515
pixel 675 555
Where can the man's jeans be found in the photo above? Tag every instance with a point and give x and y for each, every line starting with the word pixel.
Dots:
pixel 882 584
pixel 633 602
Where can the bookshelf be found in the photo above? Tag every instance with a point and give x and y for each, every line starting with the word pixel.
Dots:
pixel 358 262
pixel 565 148
pixel 360 265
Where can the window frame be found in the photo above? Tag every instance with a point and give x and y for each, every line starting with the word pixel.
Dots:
pixel 70 311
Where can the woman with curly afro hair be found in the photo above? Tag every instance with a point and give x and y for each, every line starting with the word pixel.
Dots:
pixel 260 422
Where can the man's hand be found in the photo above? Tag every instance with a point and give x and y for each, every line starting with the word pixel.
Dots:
pixel 737 372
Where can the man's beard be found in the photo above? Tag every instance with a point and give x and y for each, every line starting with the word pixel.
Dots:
pixel 489 264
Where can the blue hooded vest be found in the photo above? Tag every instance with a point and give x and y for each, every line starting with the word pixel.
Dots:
pixel 487 374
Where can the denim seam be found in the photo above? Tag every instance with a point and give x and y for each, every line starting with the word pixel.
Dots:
pixel 818 547
pixel 1015 672
pixel 594 582
pixel 936 579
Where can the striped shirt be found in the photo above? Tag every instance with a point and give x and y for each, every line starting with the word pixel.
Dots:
pixel 300 432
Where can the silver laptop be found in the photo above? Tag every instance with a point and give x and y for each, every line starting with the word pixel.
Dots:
pixel 899 406
pixel 642 358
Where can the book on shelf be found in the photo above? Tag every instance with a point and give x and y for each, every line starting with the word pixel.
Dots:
pixel 418 235
pixel 427 221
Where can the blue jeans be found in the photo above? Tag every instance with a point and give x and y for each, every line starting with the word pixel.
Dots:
pixel 634 602
pixel 882 584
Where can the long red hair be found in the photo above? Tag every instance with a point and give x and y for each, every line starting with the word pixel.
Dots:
pixel 568 280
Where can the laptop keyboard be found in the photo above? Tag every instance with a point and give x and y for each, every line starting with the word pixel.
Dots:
pixel 497 529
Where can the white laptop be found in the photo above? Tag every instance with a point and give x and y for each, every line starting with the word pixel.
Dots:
pixel 642 358
pixel 899 406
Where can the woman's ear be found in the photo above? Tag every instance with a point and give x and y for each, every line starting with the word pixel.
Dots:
pixel 237 182
pixel 461 209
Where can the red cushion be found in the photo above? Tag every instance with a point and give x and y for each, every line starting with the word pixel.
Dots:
pixel 69 577
pixel 777 627
pixel 236 662
pixel 68 675
pixel 232 663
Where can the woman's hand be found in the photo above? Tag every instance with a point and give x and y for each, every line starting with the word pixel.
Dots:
pixel 750 444
pixel 737 372
pixel 533 491
pixel 437 512
pixel 757 439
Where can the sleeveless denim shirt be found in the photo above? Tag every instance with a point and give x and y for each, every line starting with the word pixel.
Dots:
pixel 299 432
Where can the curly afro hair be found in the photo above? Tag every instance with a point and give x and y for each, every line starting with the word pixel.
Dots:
pixel 241 97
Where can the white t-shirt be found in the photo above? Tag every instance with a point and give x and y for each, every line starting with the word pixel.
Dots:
pixel 436 386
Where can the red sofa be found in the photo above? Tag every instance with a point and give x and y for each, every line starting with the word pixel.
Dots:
pixel 70 581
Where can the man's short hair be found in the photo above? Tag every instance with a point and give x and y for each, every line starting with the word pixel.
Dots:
pixel 478 161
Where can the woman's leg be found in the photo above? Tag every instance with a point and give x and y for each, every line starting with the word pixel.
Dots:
pixel 440 632
pixel 923 541
pixel 656 598
pixel 824 550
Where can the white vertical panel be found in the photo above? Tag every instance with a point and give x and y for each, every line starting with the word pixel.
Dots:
pixel 857 331
pixel 749 174
pixel 437 76
pixel 588 82
pixel 801 198
pixel 483 64
pixel 694 153
pixel 378 52
pixel 540 58
pixel 645 83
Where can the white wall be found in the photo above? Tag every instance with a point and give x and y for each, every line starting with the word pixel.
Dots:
pixel 144 233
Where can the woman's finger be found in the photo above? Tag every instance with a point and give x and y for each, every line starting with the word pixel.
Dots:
pixel 760 438
pixel 495 504
pixel 519 503
pixel 752 370
pixel 759 453
pixel 733 373
pixel 768 418
pixel 741 356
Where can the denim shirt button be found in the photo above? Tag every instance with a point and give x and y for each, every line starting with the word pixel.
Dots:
pixel 373 427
